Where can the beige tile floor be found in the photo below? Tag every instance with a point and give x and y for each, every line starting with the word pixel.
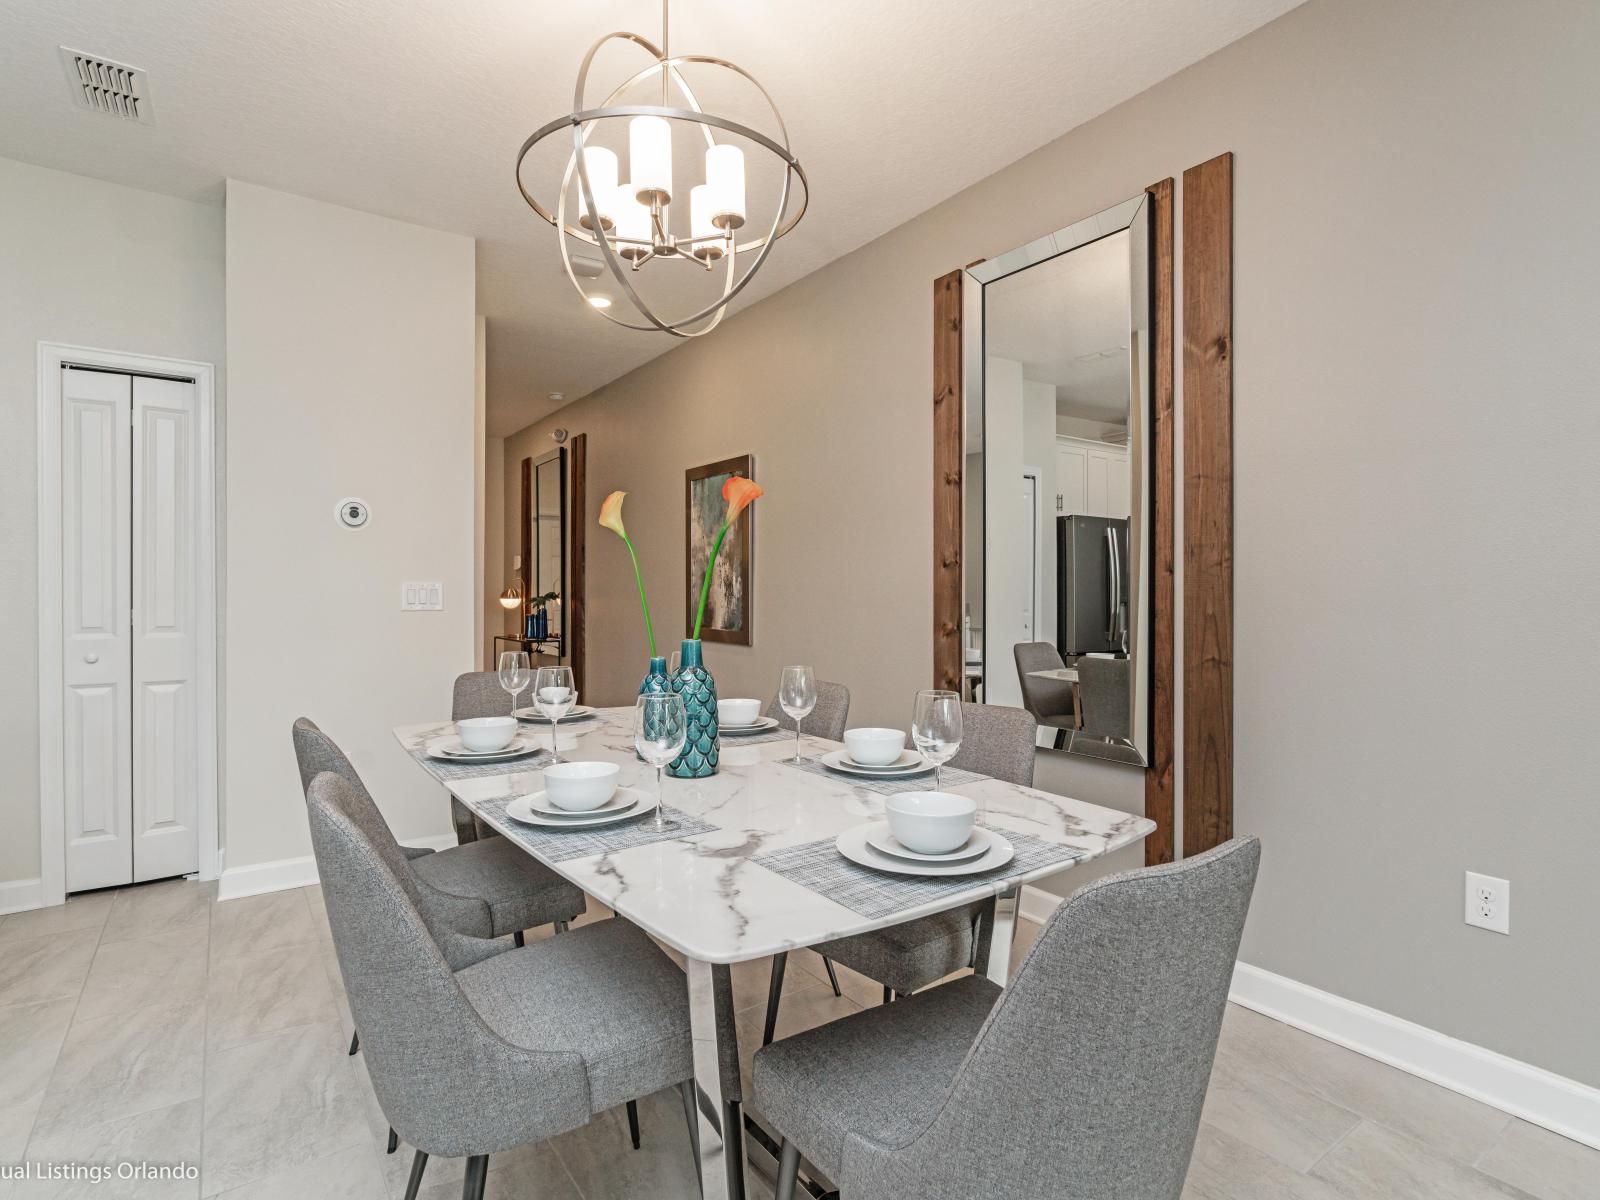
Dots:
pixel 153 1023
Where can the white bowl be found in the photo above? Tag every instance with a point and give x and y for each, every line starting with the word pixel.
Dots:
pixel 738 712
pixel 874 747
pixel 556 695
pixel 931 822
pixel 486 733
pixel 580 786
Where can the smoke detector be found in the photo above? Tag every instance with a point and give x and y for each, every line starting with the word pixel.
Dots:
pixel 112 88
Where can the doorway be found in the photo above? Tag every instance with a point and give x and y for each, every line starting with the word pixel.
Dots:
pixel 127 654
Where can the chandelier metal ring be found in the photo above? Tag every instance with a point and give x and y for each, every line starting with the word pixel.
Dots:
pixel 582 121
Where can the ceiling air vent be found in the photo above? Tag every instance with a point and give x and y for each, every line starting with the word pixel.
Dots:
pixel 112 88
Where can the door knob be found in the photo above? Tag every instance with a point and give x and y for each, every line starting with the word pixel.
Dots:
pixel 91 659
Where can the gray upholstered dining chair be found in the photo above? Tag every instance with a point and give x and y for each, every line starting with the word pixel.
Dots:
pixel 1084 1078
pixel 483 889
pixel 473 1046
pixel 1103 684
pixel 827 720
pixel 476 694
pixel 1050 701
pixel 997 742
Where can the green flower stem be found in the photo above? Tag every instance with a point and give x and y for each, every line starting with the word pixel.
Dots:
pixel 638 582
pixel 705 584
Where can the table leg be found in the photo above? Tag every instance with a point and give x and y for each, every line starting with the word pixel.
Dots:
pixel 716 1081
pixel 998 968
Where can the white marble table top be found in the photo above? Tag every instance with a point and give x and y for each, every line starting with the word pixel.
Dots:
pixel 1059 674
pixel 703 896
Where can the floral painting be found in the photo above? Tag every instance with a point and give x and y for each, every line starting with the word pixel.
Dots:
pixel 730 599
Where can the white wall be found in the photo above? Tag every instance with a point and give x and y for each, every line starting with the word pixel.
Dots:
pixel 92 264
pixel 1416 626
pixel 350 355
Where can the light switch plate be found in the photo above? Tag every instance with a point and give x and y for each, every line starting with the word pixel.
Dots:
pixel 421 597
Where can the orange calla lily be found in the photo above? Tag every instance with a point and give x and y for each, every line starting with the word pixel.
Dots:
pixel 611 513
pixel 740 493
pixel 611 518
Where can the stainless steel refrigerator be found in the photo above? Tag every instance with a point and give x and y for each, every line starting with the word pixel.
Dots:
pixel 1091 585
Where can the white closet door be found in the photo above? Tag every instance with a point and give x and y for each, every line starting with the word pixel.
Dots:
pixel 1097 485
pixel 165 754
pixel 97 647
pixel 1072 470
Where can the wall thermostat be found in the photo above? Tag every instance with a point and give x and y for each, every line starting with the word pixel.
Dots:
pixel 353 513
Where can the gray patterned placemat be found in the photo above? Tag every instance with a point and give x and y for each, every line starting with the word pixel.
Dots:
pixel 820 867
pixel 440 769
pixel 883 787
pixel 558 845
pixel 755 739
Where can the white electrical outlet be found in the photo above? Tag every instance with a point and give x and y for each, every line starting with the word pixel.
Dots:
pixel 1488 902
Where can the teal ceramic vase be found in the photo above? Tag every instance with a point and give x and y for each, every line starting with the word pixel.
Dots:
pixel 699 691
pixel 656 683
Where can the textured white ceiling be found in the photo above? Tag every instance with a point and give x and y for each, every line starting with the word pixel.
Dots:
pixel 416 110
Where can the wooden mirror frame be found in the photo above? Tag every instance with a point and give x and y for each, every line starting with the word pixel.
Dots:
pixel 948 471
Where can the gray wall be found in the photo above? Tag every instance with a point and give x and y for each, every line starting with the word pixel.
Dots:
pixel 91 264
pixel 1416 426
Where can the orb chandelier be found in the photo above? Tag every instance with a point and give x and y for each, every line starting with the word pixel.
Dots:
pixel 630 221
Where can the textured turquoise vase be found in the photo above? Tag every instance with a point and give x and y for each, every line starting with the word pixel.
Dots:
pixel 656 683
pixel 699 691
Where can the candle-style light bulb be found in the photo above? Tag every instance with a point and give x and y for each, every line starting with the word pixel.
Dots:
pixel 601 165
pixel 725 177
pixel 650 159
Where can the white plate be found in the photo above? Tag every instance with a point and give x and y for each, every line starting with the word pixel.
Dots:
pixel 852 843
pixel 450 749
pixel 839 760
pixel 621 800
pixel 760 725
pixel 532 716
pixel 883 841
pixel 522 812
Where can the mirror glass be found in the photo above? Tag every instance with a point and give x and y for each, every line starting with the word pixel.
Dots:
pixel 549 533
pixel 1056 613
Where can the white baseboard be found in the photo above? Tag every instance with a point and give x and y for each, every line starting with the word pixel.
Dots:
pixel 282 874
pixel 279 875
pixel 1541 1097
pixel 20 895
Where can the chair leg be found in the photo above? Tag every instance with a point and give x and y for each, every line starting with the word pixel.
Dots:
pixel 418 1165
pixel 394 1140
pixel 633 1123
pixel 774 992
pixel 355 1042
pixel 561 926
pixel 788 1170
pixel 477 1176
pixel 832 977
pixel 686 1090
pixel 516 938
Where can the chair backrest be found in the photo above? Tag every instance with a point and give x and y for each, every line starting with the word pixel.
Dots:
pixel 997 741
pixel 315 752
pixel 1044 698
pixel 479 694
pixel 1088 1077
pixel 829 719
pixel 445 915
pixel 1107 706
pixel 447 1083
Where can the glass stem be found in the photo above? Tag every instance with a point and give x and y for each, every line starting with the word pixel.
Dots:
pixel 660 820
pixel 938 776
pixel 555 748
pixel 797 739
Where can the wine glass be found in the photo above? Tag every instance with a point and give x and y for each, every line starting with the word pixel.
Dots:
pixel 936 728
pixel 515 672
pixel 797 696
pixel 555 693
pixel 660 728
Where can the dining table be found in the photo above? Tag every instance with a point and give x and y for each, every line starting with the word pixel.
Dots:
pixel 749 869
